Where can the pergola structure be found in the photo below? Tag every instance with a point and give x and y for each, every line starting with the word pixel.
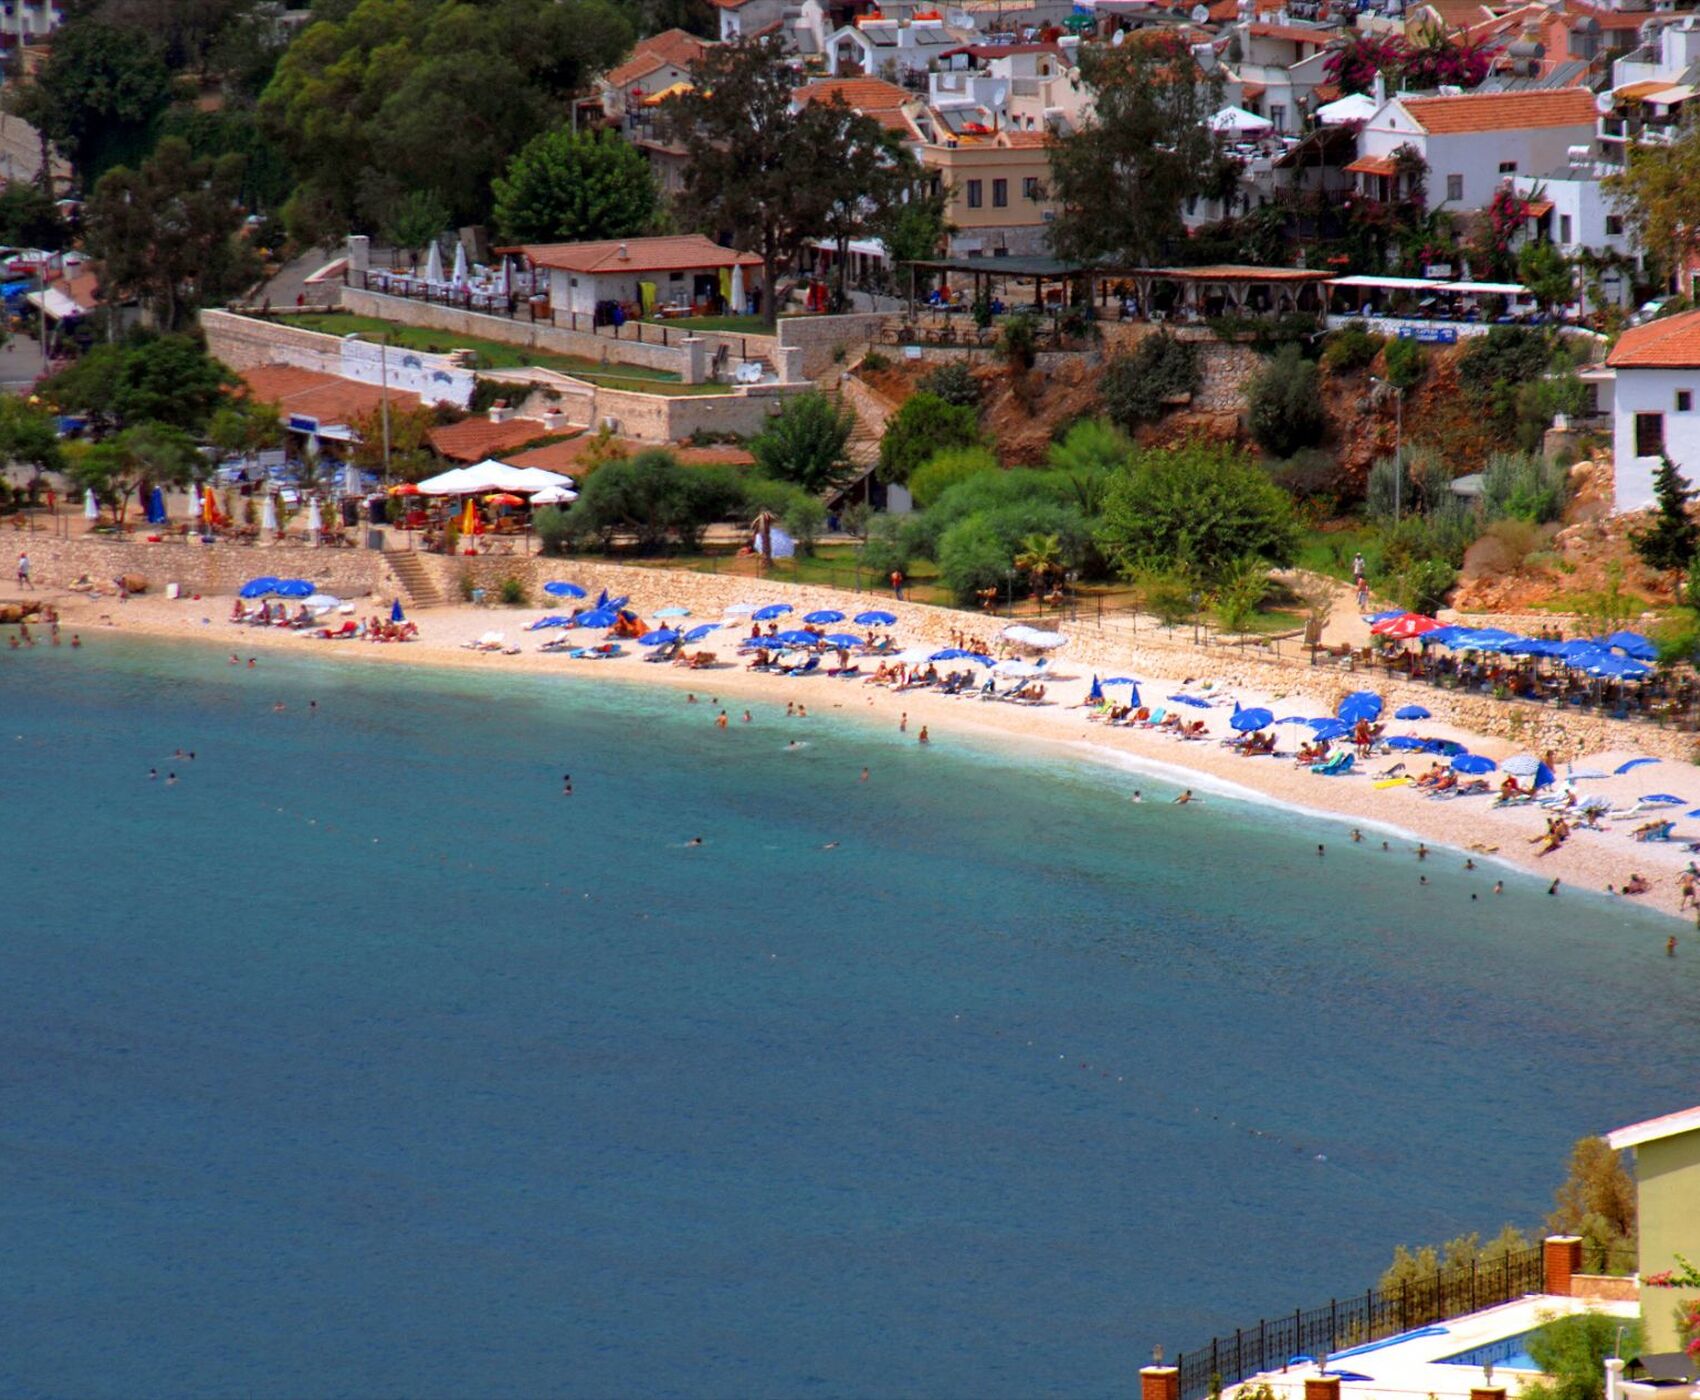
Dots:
pixel 1041 270
pixel 1232 288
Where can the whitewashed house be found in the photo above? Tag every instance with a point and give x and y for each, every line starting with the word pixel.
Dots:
pixel 1472 143
pixel 1656 397
pixel 678 273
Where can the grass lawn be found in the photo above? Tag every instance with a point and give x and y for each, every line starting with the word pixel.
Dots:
pixel 496 354
pixel 732 325
pixel 1330 551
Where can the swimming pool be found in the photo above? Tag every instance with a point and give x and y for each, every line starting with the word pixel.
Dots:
pixel 1508 1353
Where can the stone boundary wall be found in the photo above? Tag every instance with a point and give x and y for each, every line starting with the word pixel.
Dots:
pixel 534 335
pixel 655 418
pixel 821 338
pixel 215 570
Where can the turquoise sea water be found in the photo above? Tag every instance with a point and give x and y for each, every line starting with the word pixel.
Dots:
pixel 524 1097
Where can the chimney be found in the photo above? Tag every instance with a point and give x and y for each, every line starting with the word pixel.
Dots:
pixel 625 252
pixel 1322 1388
pixel 1379 90
pixel 1159 1383
pixel 1562 1255
pixel 500 412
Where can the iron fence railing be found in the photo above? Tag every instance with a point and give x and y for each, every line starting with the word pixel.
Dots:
pixel 1350 1322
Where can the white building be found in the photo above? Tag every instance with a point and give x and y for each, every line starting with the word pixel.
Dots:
pixel 1571 208
pixel 685 272
pixel 1472 143
pixel 1656 397
pixel 886 48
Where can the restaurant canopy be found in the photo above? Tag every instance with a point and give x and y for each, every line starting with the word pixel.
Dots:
pixel 491 475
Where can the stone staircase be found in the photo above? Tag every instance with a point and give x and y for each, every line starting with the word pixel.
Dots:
pixel 415 579
pixel 863 449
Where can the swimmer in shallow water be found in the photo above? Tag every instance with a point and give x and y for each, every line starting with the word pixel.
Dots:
pixel 694 841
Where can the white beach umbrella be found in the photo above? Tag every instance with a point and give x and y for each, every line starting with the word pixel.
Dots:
pixel 1039 640
pixel 914 656
pixel 434 263
pixel 459 277
pixel 1236 121
pixel 321 602
pixel 268 515
pixel 554 496
pixel 194 502
pixel 1354 107
pixel 91 506
pixel 1020 668
pixel 502 276
pixel 737 298
pixel 739 609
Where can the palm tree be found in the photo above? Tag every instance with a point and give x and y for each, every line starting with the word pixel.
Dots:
pixel 1040 557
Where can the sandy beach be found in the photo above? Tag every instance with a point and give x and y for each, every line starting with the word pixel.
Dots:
pixel 1456 830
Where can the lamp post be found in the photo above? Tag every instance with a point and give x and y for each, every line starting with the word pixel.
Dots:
pixel 1398 443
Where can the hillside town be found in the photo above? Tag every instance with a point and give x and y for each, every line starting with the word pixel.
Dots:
pixel 1305 357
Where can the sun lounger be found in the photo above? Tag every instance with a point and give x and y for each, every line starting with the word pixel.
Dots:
pixel 1336 767
pixel 844 672
pixel 808 668
pixel 1655 831
pixel 348 629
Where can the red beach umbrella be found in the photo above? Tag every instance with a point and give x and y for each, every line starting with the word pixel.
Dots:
pixel 1405 625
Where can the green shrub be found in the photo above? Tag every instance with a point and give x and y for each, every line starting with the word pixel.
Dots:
pixel 550 523
pixel 1351 348
pixel 804 442
pixel 944 469
pixel 1138 387
pixel 1571 1353
pixel 512 592
pixel 1285 401
pixel 955 383
pixel 883 551
pixel 1019 342
pixel 1403 362
pixel 1524 486
pixel 1423 586
pixel 1308 474
pixel 876 360
pixel 925 425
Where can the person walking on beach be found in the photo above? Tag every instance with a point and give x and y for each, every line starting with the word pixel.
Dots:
pixel 897 584
pixel 24 571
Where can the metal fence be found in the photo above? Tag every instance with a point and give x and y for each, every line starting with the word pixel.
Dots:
pixel 1350 1322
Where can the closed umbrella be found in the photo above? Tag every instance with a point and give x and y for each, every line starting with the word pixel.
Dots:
pixel 268 514
pixel 91 506
pixel 156 508
pixel 434 263
pixel 459 277
pixel 396 614
pixel 737 298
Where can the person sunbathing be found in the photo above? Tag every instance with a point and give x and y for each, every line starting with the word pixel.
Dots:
pixel 1446 781
pixel 1510 788
pixel 760 662
pixel 1646 829
pixel 1432 777
pixel 1636 884
pixel 1557 832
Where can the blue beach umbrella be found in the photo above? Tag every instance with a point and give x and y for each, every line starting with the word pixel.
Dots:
pixel 1247 720
pixel 1192 700
pixel 1097 691
pixel 1120 680
pixel 1619 668
pixel 1662 799
pixel 1293 719
pixel 1442 636
pixel 960 654
pixel 771 611
pixel 257 587
pixel 1449 748
pixel 1410 712
pixel 1472 763
pixel 1373 618
pixel 1631 644
pixel 396 614
pixel 658 638
pixel 1360 704
pixel 559 589
pixel 798 638
pixel 1404 743
pixel 696 634
pixel 875 618
pixel 598 617
pixel 671 612
pixel 821 616
pixel 292 588
pixel 1633 764
pixel 1330 728
pixel 842 639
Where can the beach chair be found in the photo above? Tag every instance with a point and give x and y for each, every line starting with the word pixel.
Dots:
pixel 1655 831
pixel 808 668
pixel 1336 767
pixel 348 629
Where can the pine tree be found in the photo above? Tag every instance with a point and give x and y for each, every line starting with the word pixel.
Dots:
pixel 1672 541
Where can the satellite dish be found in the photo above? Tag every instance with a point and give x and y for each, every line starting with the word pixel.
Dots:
pixel 1604 103
pixel 1120 37
pixel 1200 14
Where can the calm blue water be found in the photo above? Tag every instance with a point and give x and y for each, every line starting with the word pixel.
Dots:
pixel 362 1061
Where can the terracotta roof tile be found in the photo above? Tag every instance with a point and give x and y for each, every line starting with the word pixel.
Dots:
pixel 1502 111
pixel 1457 14
pixel 1297 33
pixel 864 94
pixel 322 396
pixel 1670 343
pixel 1373 165
pixel 1615 19
pixel 568 457
pixel 679 253
pixel 671 46
pixel 474 439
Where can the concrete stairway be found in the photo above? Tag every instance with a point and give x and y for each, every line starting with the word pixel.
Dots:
pixel 415 579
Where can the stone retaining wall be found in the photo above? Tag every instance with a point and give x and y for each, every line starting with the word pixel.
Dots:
pixel 214 570
pixel 828 340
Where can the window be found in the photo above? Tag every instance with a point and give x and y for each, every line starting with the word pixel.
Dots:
pixel 1685 401
pixel 1454 187
pixel 1649 434
pixel 1030 188
pixel 1614 225
pixel 1278 118
pixel 1000 194
pixel 1564 228
pixel 974 199
pixel 1508 167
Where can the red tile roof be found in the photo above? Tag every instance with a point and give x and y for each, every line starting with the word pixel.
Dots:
pixel 670 47
pixel 326 397
pixel 1672 342
pixel 1373 165
pixel 1298 34
pixel 680 253
pixel 474 439
pixel 864 94
pixel 1502 111
pixel 1614 19
pixel 1457 14
pixel 568 457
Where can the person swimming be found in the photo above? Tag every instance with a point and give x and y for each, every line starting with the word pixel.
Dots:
pixel 694 841
pixel 1184 798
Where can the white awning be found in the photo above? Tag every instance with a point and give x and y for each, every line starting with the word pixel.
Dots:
pixel 1422 284
pixel 1670 96
pixel 54 304
pixel 491 475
